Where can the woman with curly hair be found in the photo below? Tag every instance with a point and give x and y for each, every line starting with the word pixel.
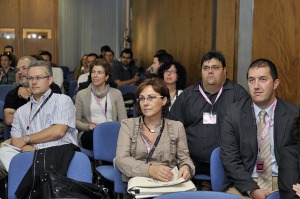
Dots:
pixel 174 75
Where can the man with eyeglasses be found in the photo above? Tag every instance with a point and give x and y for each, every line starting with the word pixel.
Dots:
pixel 200 108
pixel 20 95
pixel 46 120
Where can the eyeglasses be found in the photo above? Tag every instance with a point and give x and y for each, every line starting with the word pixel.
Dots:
pixel 170 72
pixel 150 98
pixel 213 67
pixel 38 78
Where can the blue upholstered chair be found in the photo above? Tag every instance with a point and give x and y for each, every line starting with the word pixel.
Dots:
pixel 105 137
pixel 79 169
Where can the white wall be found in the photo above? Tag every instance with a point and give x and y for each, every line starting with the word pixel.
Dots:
pixel 86 25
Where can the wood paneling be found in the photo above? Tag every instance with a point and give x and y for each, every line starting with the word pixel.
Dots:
pixel 183 28
pixel 227 33
pixel 276 36
pixel 35 14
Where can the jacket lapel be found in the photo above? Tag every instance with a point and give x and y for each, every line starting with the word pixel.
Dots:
pixel 249 125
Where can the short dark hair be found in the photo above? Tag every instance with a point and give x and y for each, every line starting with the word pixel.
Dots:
pixel 9 46
pixel 158 86
pixel 46 53
pixel 105 48
pixel 181 73
pixel 261 63
pixel 92 54
pixel 213 55
pixel 127 51
pixel 164 58
pixel 110 51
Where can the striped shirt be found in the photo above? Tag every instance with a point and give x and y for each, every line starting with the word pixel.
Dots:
pixel 59 109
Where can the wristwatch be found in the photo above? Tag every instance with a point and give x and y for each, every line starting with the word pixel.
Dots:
pixel 26 139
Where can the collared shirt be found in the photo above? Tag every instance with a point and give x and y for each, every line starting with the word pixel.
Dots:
pixel 189 108
pixel 59 109
pixel 269 111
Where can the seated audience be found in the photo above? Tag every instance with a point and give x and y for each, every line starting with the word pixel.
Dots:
pixel 104 49
pixel 58 74
pixel 289 167
pixel 253 134
pixel 7 72
pixel 21 94
pixel 159 59
pixel 150 145
pixel 97 103
pixel 89 60
pixel 48 119
pixel 174 76
pixel 125 73
pixel 109 56
pixel 10 49
pixel 83 68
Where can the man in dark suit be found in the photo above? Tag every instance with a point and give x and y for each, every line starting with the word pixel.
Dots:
pixel 241 144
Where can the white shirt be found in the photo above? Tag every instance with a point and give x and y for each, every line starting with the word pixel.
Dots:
pixel 59 109
pixel 82 78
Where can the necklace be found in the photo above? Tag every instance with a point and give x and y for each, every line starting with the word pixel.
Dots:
pixel 151 130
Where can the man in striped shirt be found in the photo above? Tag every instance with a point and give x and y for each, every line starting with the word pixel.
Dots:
pixel 48 119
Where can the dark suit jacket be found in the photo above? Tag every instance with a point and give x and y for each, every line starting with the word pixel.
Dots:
pixel 289 171
pixel 239 141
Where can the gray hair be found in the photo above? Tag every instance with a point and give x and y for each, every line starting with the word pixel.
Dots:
pixel 40 63
pixel 29 58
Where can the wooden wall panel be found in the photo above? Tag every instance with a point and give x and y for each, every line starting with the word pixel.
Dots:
pixel 276 36
pixel 183 28
pixel 227 33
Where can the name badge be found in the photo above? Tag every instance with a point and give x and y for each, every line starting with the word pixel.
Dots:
pixel 209 118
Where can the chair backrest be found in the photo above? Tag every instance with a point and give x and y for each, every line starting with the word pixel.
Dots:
pixel 127 89
pixel 2 110
pixel 216 170
pixel 72 88
pixel 105 138
pixel 4 89
pixel 274 195
pixel 198 194
pixel 119 185
pixel 79 169
pixel 65 70
pixel 6 131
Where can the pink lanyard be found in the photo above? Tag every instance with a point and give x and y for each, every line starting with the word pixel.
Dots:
pixel 147 145
pixel 206 98
pixel 99 104
pixel 265 131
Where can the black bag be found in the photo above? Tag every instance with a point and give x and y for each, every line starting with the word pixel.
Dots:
pixel 55 185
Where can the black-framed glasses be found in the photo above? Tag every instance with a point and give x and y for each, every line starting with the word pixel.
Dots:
pixel 38 78
pixel 213 68
pixel 150 98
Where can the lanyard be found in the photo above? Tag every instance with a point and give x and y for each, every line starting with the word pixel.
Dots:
pixel 44 102
pixel 150 153
pixel 207 99
pixel 99 104
pixel 266 129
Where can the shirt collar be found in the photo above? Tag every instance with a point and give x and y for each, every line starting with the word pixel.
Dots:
pixel 257 110
pixel 32 100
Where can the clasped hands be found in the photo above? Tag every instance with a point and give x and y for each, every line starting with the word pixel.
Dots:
pixel 164 173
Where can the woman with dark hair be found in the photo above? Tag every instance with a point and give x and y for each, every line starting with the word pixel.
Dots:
pixel 7 72
pixel 289 168
pixel 97 103
pixel 175 77
pixel 150 145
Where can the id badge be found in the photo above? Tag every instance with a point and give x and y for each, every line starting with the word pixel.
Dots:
pixel 209 118
pixel 260 165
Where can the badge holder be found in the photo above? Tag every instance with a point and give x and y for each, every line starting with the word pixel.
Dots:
pixel 260 165
pixel 209 118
